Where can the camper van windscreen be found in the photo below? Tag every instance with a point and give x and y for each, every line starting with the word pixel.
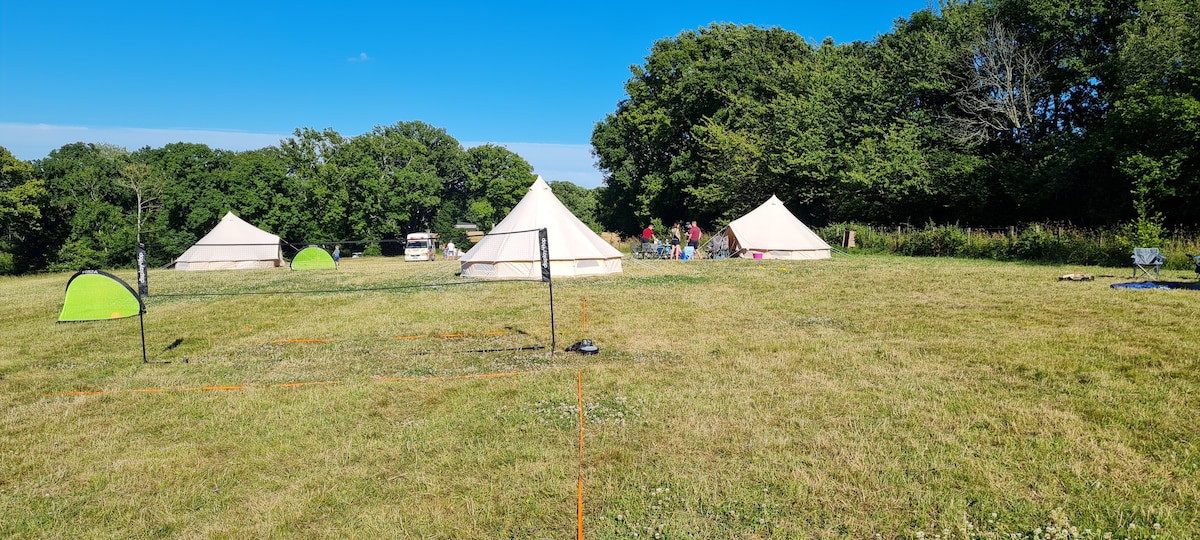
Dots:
pixel 418 244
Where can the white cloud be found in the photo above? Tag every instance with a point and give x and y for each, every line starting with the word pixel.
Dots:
pixel 362 57
pixel 35 141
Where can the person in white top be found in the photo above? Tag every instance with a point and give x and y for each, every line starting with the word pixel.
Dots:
pixel 450 252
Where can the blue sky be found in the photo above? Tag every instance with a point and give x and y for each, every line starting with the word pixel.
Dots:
pixel 533 76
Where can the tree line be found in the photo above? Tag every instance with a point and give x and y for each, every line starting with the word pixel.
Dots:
pixel 87 205
pixel 982 113
pixel 977 113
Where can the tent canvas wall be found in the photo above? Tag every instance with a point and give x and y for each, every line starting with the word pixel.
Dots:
pixel 232 244
pixel 574 249
pixel 775 233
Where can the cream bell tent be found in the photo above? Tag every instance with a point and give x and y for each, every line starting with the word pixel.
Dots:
pixel 232 244
pixel 574 249
pixel 772 231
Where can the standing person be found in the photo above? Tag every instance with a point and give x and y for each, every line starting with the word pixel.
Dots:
pixel 676 251
pixel 694 239
pixel 337 255
pixel 450 251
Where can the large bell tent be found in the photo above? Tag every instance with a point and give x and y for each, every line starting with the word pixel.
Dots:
pixel 232 244
pixel 772 232
pixel 575 250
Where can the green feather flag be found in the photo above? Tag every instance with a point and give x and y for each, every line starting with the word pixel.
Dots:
pixel 94 295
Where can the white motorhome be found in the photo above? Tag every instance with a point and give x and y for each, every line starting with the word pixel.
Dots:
pixel 421 246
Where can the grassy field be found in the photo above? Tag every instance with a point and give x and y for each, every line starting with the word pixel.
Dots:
pixel 858 397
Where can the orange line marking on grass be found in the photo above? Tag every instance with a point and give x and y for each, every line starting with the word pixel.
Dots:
pixel 408 337
pixel 222 388
pixel 450 377
pixel 451 335
pixel 579 379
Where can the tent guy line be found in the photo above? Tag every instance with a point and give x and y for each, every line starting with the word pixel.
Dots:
pixel 328 291
pixel 397 338
pixel 231 388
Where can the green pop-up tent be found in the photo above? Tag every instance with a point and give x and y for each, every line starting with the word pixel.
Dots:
pixel 95 295
pixel 313 258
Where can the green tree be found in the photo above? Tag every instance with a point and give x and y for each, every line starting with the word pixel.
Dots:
pixel 272 199
pixel 650 149
pixel 496 180
pixel 924 171
pixel 199 190
pixel 320 196
pixel 1155 122
pixel 23 198
pixel 1058 165
pixel 395 178
pixel 88 225
pixel 580 201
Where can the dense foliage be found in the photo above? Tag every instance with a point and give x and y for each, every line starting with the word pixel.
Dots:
pixel 984 113
pixel 87 205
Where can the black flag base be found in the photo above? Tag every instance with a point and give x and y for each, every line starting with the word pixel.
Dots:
pixel 583 346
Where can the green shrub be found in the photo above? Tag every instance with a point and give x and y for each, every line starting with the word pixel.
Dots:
pixel 1079 249
pixel 1047 243
pixel 7 266
pixel 994 246
pixel 866 238
pixel 945 241
pixel 1036 244
pixel 1141 232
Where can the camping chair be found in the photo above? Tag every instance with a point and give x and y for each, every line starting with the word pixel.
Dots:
pixel 1146 260
pixel 718 246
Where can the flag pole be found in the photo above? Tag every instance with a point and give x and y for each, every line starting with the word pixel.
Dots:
pixel 544 251
pixel 142 324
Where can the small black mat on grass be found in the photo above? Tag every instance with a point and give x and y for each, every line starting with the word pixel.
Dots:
pixel 1193 286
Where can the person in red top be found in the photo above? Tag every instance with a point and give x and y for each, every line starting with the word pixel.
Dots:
pixel 694 239
pixel 648 234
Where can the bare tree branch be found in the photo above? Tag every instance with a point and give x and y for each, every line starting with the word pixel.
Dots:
pixel 996 94
pixel 146 186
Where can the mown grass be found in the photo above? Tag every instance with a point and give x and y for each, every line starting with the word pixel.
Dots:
pixel 854 397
